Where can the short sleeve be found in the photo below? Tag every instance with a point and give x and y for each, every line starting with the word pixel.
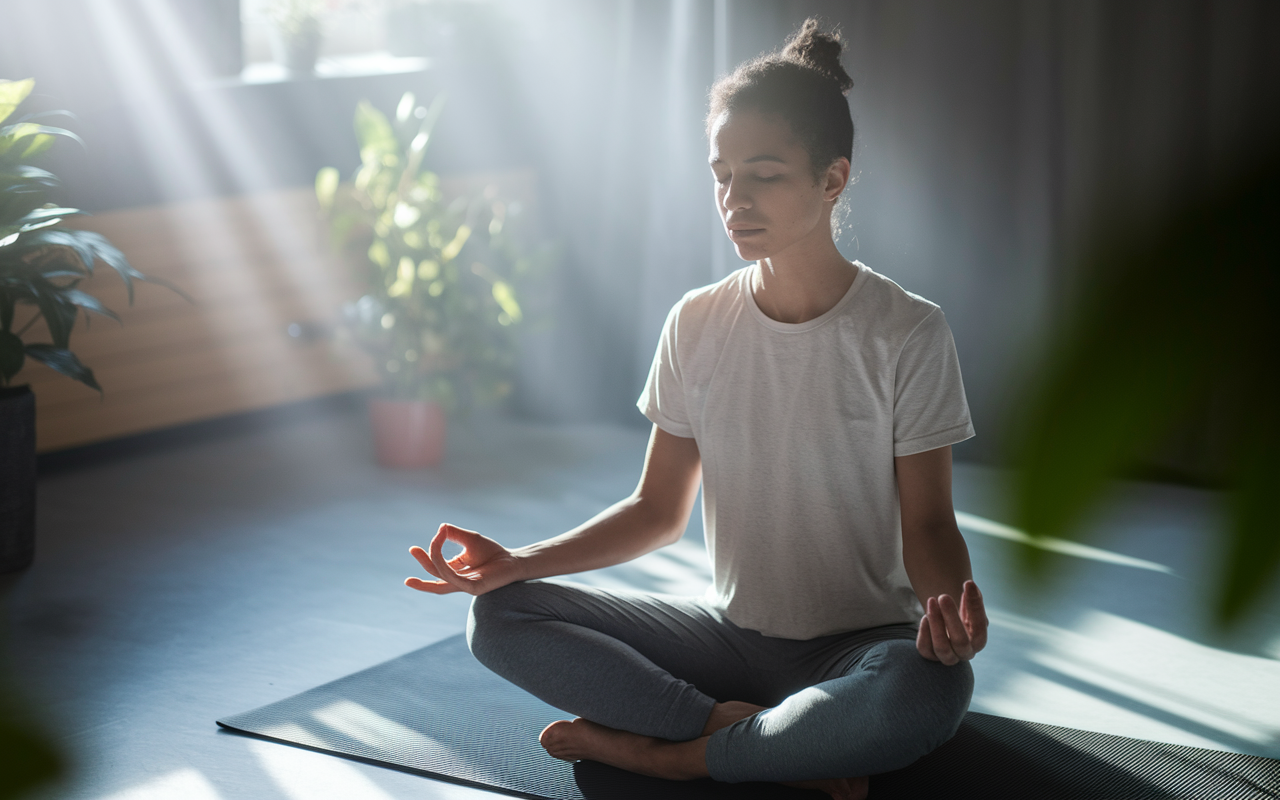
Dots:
pixel 662 400
pixel 929 406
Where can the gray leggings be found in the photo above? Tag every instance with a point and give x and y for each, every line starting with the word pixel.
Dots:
pixel 840 706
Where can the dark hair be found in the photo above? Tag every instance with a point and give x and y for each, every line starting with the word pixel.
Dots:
pixel 804 84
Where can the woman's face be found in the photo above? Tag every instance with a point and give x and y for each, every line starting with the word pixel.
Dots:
pixel 766 193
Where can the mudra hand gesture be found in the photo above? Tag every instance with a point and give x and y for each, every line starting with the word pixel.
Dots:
pixel 952 634
pixel 482 566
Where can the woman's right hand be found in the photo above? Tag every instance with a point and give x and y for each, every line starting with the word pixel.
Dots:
pixel 482 566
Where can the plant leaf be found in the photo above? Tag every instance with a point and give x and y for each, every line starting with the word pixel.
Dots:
pixel 59 314
pixel 1152 342
pixel 373 131
pixel 12 93
pixel 116 260
pixel 11 135
pixel 327 180
pixel 79 241
pixel 506 297
pixel 26 178
pixel 11 355
pixel 405 108
pixel 418 147
pixel 39 144
pixel 64 361
pixel 44 214
pixel 88 301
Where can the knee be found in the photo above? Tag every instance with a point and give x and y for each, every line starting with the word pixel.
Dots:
pixel 489 613
pixel 952 690
pixel 493 615
pixel 932 696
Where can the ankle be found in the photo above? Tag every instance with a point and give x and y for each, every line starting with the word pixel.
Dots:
pixel 725 714
pixel 678 761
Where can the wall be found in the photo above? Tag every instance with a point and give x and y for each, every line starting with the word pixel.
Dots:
pixel 994 137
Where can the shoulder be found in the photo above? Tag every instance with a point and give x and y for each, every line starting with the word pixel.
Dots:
pixel 706 303
pixel 897 311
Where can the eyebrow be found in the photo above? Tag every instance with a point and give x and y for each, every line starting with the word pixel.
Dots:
pixel 753 159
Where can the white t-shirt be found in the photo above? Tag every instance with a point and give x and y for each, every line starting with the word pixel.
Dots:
pixel 798 426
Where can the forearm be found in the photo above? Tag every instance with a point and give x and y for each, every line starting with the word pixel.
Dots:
pixel 937 562
pixel 626 530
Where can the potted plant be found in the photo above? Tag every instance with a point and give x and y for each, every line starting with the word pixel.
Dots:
pixel 41 266
pixel 295 33
pixel 441 302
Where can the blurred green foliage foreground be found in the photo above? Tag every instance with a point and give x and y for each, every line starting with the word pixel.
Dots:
pixel 1176 323
pixel 27 759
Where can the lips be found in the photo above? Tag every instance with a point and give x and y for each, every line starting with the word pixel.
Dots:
pixel 742 232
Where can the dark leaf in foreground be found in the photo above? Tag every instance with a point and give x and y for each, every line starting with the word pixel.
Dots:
pixel 1173 317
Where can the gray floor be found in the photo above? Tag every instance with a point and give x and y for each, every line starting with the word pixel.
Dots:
pixel 176 586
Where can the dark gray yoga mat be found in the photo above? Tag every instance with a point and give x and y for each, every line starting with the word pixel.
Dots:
pixel 438 712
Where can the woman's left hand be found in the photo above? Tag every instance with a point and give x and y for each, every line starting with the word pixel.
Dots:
pixel 951 633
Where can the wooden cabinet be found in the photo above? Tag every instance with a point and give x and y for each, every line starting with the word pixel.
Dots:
pixel 254 264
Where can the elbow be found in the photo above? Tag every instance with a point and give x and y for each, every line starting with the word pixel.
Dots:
pixel 674 534
pixel 665 526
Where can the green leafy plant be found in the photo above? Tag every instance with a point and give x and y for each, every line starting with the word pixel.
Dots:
pixel 441 304
pixel 1174 327
pixel 41 262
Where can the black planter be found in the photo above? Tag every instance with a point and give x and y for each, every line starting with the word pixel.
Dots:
pixel 17 478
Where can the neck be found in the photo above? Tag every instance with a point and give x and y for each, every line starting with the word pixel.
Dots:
pixel 803 282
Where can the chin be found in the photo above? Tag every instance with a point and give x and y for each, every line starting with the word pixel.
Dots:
pixel 750 252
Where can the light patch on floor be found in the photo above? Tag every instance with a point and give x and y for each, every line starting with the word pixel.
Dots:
pixel 305 775
pixel 376 731
pixel 187 784
pixel 972 523
pixel 1120 676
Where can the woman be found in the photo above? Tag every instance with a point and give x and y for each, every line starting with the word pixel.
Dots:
pixel 816 402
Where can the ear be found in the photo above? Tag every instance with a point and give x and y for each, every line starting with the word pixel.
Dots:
pixel 837 178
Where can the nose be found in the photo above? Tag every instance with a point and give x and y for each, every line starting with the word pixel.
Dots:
pixel 734 196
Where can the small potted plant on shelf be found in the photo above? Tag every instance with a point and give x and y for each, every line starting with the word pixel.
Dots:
pixel 440 308
pixel 41 266
pixel 295 33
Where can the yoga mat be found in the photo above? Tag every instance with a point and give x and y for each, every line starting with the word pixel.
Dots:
pixel 438 712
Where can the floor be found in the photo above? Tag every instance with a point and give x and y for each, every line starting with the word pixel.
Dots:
pixel 177 584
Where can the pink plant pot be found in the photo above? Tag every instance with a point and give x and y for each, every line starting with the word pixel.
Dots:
pixel 407 434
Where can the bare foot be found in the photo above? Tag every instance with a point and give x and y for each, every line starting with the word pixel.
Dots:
pixel 839 788
pixel 659 758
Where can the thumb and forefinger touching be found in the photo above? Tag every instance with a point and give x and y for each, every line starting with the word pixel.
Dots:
pixel 434 562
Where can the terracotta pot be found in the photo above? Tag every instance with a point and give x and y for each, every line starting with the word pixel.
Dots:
pixel 17 478
pixel 407 434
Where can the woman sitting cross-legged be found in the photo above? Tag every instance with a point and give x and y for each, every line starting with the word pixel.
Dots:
pixel 815 402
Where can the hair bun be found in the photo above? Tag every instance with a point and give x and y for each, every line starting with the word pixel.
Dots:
pixel 819 50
